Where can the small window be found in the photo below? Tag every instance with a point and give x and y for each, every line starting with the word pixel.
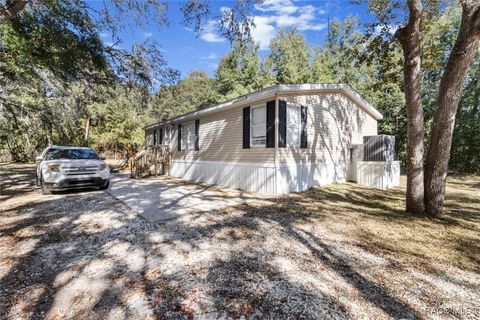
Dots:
pixel 293 125
pixel 258 126
pixel 154 137
pixel 188 136
pixel 168 133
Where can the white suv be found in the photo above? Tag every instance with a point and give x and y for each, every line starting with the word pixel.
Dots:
pixel 62 168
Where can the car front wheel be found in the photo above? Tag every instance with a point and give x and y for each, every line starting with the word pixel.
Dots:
pixel 45 189
pixel 105 187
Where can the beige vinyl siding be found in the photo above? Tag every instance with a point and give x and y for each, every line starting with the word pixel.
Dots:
pixel 221 139
pixel 334 124
pixel 369 128
pixel 337 120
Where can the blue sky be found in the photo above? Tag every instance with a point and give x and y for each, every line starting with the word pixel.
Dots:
pixel 186 51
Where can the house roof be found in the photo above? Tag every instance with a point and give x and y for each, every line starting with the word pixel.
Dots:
pixel 278 89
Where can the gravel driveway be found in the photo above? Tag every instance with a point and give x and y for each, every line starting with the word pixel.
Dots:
pixel 86 255
pixel 162 198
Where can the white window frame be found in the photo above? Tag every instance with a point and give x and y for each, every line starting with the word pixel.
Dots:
pixel 297 126
pixel 264 127
pixel 188 136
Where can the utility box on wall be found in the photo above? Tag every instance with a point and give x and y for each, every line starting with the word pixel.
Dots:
pixel 373 163
pixel 379 148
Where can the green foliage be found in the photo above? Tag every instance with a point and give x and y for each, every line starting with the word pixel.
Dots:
pixel 338 59
pixel 43 64
pixel 55 74
pixel 238 73
pixel 437 42
pixel 465 153
pixel 56 36
pixel 289 57
pixel 39 115
pixel 194 92
pixel 118 118
pixel 351 56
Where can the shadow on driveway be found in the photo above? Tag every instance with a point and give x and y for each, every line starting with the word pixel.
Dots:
pixel 163 198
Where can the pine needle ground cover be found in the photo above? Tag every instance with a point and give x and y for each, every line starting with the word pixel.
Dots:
pixel 340 251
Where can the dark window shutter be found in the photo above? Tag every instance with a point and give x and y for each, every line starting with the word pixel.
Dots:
pixel 282 124
pixel 271 124
pixel 197 134
pixel 246 127
pixel 179 142
pixel 303 136
pixel 160 141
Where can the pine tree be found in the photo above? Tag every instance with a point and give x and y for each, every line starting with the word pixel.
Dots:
pixel 289 57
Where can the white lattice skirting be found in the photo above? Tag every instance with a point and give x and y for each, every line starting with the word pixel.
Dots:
pixel 264 179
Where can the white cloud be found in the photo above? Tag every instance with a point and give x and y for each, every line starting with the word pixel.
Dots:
pixel 210 56
pixel 148 34
pixel 211 37
pixel 277 6
pixel 388 28
pixel 284 13
pixel 263 32
pixel 210 34
pixel 274 14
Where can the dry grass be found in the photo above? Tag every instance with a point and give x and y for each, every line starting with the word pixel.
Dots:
pixel 341 252
pixel 376 220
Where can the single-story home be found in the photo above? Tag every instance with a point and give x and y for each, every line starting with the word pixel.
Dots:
pixel 285 138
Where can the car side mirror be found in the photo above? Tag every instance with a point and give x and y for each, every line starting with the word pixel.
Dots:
pixel 39 159
pixel 103 158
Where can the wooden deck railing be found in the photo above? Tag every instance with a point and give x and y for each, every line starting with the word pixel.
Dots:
pixel 155 155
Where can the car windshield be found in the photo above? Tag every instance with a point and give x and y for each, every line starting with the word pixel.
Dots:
pixel 71 154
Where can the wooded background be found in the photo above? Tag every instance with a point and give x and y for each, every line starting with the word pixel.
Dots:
pixel 61 84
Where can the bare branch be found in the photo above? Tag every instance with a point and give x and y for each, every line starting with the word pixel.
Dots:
pixel 196 13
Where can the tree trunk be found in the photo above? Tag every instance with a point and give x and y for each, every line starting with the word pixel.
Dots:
pixel 11 8
pixel 449 96
pixel 409 37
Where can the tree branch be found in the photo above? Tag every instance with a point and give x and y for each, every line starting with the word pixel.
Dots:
pixel 415 12
pixel 11 9
pixel 471 8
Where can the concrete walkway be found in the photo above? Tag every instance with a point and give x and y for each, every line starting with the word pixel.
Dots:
pixel 161 198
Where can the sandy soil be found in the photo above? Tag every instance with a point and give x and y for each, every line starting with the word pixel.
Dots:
pixel 85 255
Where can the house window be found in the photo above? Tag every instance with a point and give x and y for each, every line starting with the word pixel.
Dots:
pixel 168 132
pixel 154 137
pixel 188 136
pixel 258 126
pixel 293 125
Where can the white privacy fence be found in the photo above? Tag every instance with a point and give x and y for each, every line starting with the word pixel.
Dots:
pixel 373 164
